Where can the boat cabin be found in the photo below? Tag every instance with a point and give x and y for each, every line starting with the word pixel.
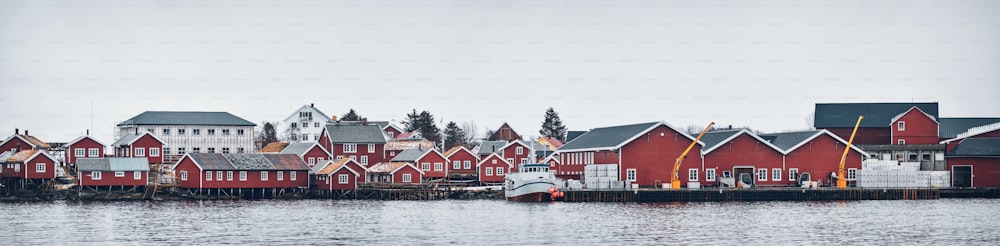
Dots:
pixel 533 167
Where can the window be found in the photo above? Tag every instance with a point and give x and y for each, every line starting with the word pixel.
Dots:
pixel 406 178
pixel 519 150
pixel 97 175
pixel 184 175
pixel 710 174
pixel 793 174
pixel 39 167
pixel 693 174
pixel 211 131
pixel 211 150
pixel 291 175
pixel 489 171
pixel 305 124
pixel 196 131
pixel 494 161
pixel 456 164
pixel 315 124
pixel 218 175
pixel 140 152
pixel 225 150
pixel 154 151
pixel 340 157
pixel 901 141
pixel 240 150
pixel 229 175
pixel 364 160
pixel 281 175
pixel 196 150
pixel 630 174
pixel 208 175
pixel 312 160
pixel 371 148
pixel 350 148
pixel 925 157
pixel 149 130
pixel 263 175
pixel 913 156
pixel 166 131
pixel 243 175
pixel 137 175
pixel 181 151
pixel 93 152
pixel 320 160
pixel 166 151
pixel 438 166
pixel 467 164
pixel 225 131
pixel 342 179
pixel 181 131
pixel 79 152
pixel 524 160
pixel 354 158
pixel 852 173
pixel 17 167
pixel 392 134
pixel 510 160
pixel 305 136
pixel 426 166
pixel 295 124
pixel 239 132
pixel 776 174
pixel 315 137
pixel 499 171
pixel 119 174
pixel 392 153
pixel 762 174
pixel 901 126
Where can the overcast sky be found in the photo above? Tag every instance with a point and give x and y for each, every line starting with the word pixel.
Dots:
pixel 762 64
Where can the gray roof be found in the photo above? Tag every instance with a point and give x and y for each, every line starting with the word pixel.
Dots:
pixel 711 139
pixel 298 148
pixel 489 147
pixel 607 137
pixel 410 155
pixel 124 140
pixel 787 140
pixel 248 161
pixel 570 135
pixel 6 155
pixel 355 133
pixel 977 147
pixel 951 127
pixel 186 118
pixel 829 115
pixel 117 164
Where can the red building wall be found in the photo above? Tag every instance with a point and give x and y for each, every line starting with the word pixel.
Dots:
pixel 196 177
pixel 744 150
pixel 415 176
pixel 147 142
pixel 362 150
pixel 571 164
pixel 30 167
pixel 332 181
pixel 360 170
pixel 108 179
pixel 395 133
pixel 488 163
pixel 820 157
pixel 985 171
pixel 865 135
pixel 653 156
pixel 511 152
pixel 13 144
pixel 462 156
pixel 432 158
pixel 918 129
pixel 315 153
pixel 85 144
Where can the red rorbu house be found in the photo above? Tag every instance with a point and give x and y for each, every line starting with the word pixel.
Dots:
pixel 19 142
pixel 395 173
pixel 973 157
pixel 310 152
pixel 644 153
pixel 914 127
pixel 363 143
pixel 392 131
pixel 493 168
pixel 505 133
pixel 332 176
pixel 553 161
pixel 729 153
pixel 27 166
pixel 83 147
pixel 462 163
pixel 201 173
pixel 817 153
pixel 113 172
pixel 430 161
pixel 517 152
pixel 142 144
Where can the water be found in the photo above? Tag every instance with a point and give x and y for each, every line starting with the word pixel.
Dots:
pixel 946 221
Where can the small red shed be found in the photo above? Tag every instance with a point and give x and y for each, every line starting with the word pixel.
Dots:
pixel 83 147
pixel 339 175
pixel 395 173
pixel 115 171
pixel 493 168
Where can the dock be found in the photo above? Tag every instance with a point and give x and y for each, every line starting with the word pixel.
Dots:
pixel 742 195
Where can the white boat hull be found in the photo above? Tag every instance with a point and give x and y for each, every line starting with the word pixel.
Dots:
pixel 529 187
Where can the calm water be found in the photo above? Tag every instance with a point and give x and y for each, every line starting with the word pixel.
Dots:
pixel 948 221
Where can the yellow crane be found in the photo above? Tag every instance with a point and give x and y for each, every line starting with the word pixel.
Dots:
pixel 841 179
pixel 675 180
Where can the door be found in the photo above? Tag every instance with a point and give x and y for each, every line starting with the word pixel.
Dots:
pixel 739 171
pixel 961 176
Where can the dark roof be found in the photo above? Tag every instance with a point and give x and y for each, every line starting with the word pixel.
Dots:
pixel 248 161
pixel 113 164
pixel 787 140
pixel 711 139
pixel 951 127
pixel 186 118
pixel 286 162
pixel 298 148
pixel 410 155
pixel 131 137
pixel 570 135
pixel 607 137
pixel 487 147
pixel 977 147
pixel 213 161
pixel 829 115
pixel 355 133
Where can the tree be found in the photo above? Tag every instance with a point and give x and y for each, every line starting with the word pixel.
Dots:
pixel 553 126
pixel 454 136
pixel 412 121
pixel 351 116
pixel 268 134
pixel 428 129
pixel 810 120
pixel 470 129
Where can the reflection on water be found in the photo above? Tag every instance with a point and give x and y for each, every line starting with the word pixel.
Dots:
pixel 500 222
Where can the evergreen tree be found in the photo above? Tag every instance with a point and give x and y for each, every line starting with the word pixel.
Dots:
pixel 454 136
pixel 553 126
pixel 351 116
pixel 428 129
pixel 268 134
pixel 412 121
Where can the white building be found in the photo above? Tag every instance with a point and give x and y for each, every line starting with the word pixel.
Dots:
pixel 305 124
pixel 193 132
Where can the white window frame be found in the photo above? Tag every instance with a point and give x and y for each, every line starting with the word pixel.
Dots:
pixel 342 179
pixel 350 148
pixel 364 160
pixel 292 175
pixel 852 174
pixel 140 152
pixel 510 160
pixel 315 124
pixel 39 167
pixel 93 152
pixel 630 174
pixel 407 178
pixel 263 175
pixel 184 175
pixel 320 159
pixel 693 174
pixel 137 175
pixel 95 175
pixel 243 175
pixel 776 174
pixel 208 175
pixel 519 150
pixel 218 175
pixel 456 164
pixel 901 126
pixel 499 171
pixel 489 171
pixel 426 166
pixel 524 160
pixel 312 160
pixel 229 175
pixel 793 174
pixel 710 174
pixel 119 174
pixel 371 148
pixel 438 166
pixel 901 141
pixel 154 152
pixel 762 174
pixel 281 175
pixel 79 152
pixel 467 164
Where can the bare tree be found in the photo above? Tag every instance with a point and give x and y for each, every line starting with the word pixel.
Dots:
pixel 811 120
pixel 470 130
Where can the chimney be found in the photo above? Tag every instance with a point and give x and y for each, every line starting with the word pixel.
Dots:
pixel 26 132
pixel 17 131
pixel 136 131
pixel 88 132
pixel 312 105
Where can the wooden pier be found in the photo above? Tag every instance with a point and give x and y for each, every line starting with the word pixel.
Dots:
pixel 739 195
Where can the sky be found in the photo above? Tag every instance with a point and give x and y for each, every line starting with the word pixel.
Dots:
pixel 69 66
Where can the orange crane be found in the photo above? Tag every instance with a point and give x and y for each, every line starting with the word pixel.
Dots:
pixel 841 179
pixel 675 181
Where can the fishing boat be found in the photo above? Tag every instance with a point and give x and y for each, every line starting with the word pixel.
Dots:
pixel 532 182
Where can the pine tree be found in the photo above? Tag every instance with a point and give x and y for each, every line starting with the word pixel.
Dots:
pixel 412 121
pixel 268 134
pixel 428 129
pixel 454 136
pixel 351 116
pixel 553 126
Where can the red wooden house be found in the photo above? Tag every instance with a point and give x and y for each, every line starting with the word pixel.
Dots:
pixel 643 152
pixel 116 171
pixel 142 144
pixel 392 131
pixel 83 147
pixel 493 168
pixel 431 162
pixel 487 148
pixel 505 133
pixel 840 118
pixel 28 164
pixel 817 153
pixel 395 173
pixel 729 153
pixel 517 152
pixel 310 152
pixel 914 127
pixel 19 142
pixel 336 175
pixel 241 171
pixel 553 161
pixel 975 162
pixel 363 143
pixel 462 162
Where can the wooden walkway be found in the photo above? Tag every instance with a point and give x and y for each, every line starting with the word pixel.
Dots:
pixel 763 194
